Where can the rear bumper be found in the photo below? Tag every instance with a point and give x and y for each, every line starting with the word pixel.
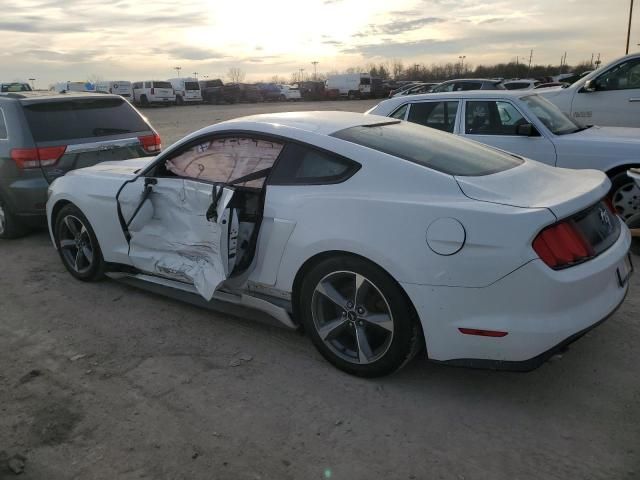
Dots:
pixel 27 196
pixel 541 310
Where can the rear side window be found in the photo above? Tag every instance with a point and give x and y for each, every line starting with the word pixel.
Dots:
pixel 464 86
pixel 162 85
pixel 439 115
pixel 431 148
pixel 302 165
pixel 82 118
pixel 3 126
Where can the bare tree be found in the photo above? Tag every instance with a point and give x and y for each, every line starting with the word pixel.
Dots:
pixel 236 75
pixel 397 68
pixel 279 79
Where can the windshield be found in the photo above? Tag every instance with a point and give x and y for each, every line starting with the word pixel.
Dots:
pixel 550 115
pixel 431 148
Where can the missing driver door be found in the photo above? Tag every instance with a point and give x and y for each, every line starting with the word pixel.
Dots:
pixel 180 229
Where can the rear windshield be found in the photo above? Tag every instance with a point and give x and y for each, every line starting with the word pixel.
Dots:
pixel 431 148
pixel 191 86
pixel 162 85
pixel 15 87
pixel 82 118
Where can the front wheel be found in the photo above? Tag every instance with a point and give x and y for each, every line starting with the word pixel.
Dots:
pixel 77 245
pixel 358 317
pixel 625 195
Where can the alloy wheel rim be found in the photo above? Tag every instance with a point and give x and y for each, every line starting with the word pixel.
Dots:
pixel 3 219
pixel 352 317
pixel 626 200
pixel 75 244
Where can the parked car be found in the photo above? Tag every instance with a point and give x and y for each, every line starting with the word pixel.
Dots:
pixel 71 87
pixel 351 85
pixel 401 86
pixel 525 123
pixel 376 235
pixel 250 93
pixel 521 84
pixel 44 135
pixel 270 92
pixel 215 91
pixel 289 93
pixel 312 90
pixel 187 90
pixel 8 87
pixel 117 87
pixel 416 89
pixel 468 84
pixel 153 92
pixel 607 96
pixel 551 84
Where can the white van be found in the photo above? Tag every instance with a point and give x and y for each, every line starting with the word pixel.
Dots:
pixel 153 92
pixel 187 90
pixel 70 87
pixel 117 87
pixel 351 85
pixel 609 96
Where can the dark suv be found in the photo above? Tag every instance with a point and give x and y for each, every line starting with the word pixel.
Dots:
pixel 43 135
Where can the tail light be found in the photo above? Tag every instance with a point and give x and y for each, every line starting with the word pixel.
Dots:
pixel 151 143
pixel 37 157
pixel 562 245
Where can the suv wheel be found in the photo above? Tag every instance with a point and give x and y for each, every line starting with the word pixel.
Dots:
pixel 144 101
pixel 77 245
pixel 179 100
pixel 358 317
pixel 10 226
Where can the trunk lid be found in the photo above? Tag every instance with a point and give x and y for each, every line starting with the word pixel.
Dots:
pixel 535 185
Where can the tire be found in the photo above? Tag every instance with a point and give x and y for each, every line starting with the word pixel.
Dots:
pixel 144 102
pixel 75 239
pixel 10 226
pixel 349 338
pixel 283 98
pixel 625 195
pixel 179 100
pixel 634 222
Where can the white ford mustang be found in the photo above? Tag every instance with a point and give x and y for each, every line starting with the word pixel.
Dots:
pixel 377 236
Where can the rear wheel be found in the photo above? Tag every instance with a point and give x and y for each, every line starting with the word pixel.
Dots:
pixel 10 226
pixel 179 100
pixel 144 101
pixel 77 245
pixel 358 317
pixel 625 195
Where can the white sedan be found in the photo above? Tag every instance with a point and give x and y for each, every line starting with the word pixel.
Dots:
pixel 376 236
pixel 527 124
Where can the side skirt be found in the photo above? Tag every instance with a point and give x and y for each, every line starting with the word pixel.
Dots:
pixel 239 304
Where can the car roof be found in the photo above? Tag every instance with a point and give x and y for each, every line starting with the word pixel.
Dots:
pixel 38 95
pixel 318 122
pixel 490 80
pixel 462 94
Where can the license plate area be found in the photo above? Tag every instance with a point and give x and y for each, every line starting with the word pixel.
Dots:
pixel 624 271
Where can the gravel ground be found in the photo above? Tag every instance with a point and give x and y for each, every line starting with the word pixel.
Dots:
pixel 103 381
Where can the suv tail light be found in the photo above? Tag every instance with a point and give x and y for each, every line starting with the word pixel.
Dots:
pixel 151 143
pixel 37 157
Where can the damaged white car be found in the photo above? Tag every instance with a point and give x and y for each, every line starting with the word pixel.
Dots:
pixel 377 236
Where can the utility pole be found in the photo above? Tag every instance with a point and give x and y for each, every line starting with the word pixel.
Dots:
pixel 195 74
pixel 33 85
pixel 462 57
pixel 591 62
pixel 629 28
pixel 529 69
pixel 177 69
pixel 315 69
pixel 301 75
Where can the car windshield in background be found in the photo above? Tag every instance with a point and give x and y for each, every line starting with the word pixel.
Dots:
pixel 82 118
pixel 191 86
pixel 15 87
pixel 162 85
pixel 431 148
pixel 550 115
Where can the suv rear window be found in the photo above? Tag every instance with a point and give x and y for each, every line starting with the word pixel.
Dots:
pixel 82 118
pixel 431 148
pixel 162 85
pixel 191 86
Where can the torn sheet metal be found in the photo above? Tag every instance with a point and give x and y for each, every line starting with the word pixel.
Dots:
pixel 226 159
pixel 171 236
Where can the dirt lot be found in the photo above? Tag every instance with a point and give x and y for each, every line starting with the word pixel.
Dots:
pixel 102 381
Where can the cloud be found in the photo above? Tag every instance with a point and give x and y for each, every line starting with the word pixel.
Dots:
pixel 31 26
pixel 194 53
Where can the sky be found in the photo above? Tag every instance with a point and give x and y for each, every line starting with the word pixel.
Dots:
pixel 59 40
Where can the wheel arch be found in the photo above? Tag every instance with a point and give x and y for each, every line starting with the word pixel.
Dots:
pixel 319 257
pixel 621 168
pixel 59 205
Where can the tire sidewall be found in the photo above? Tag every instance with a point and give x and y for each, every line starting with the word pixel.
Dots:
pixel 96 271
pixel 634 222
pixel 406 326
pixel 619 180
pixel 12 228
